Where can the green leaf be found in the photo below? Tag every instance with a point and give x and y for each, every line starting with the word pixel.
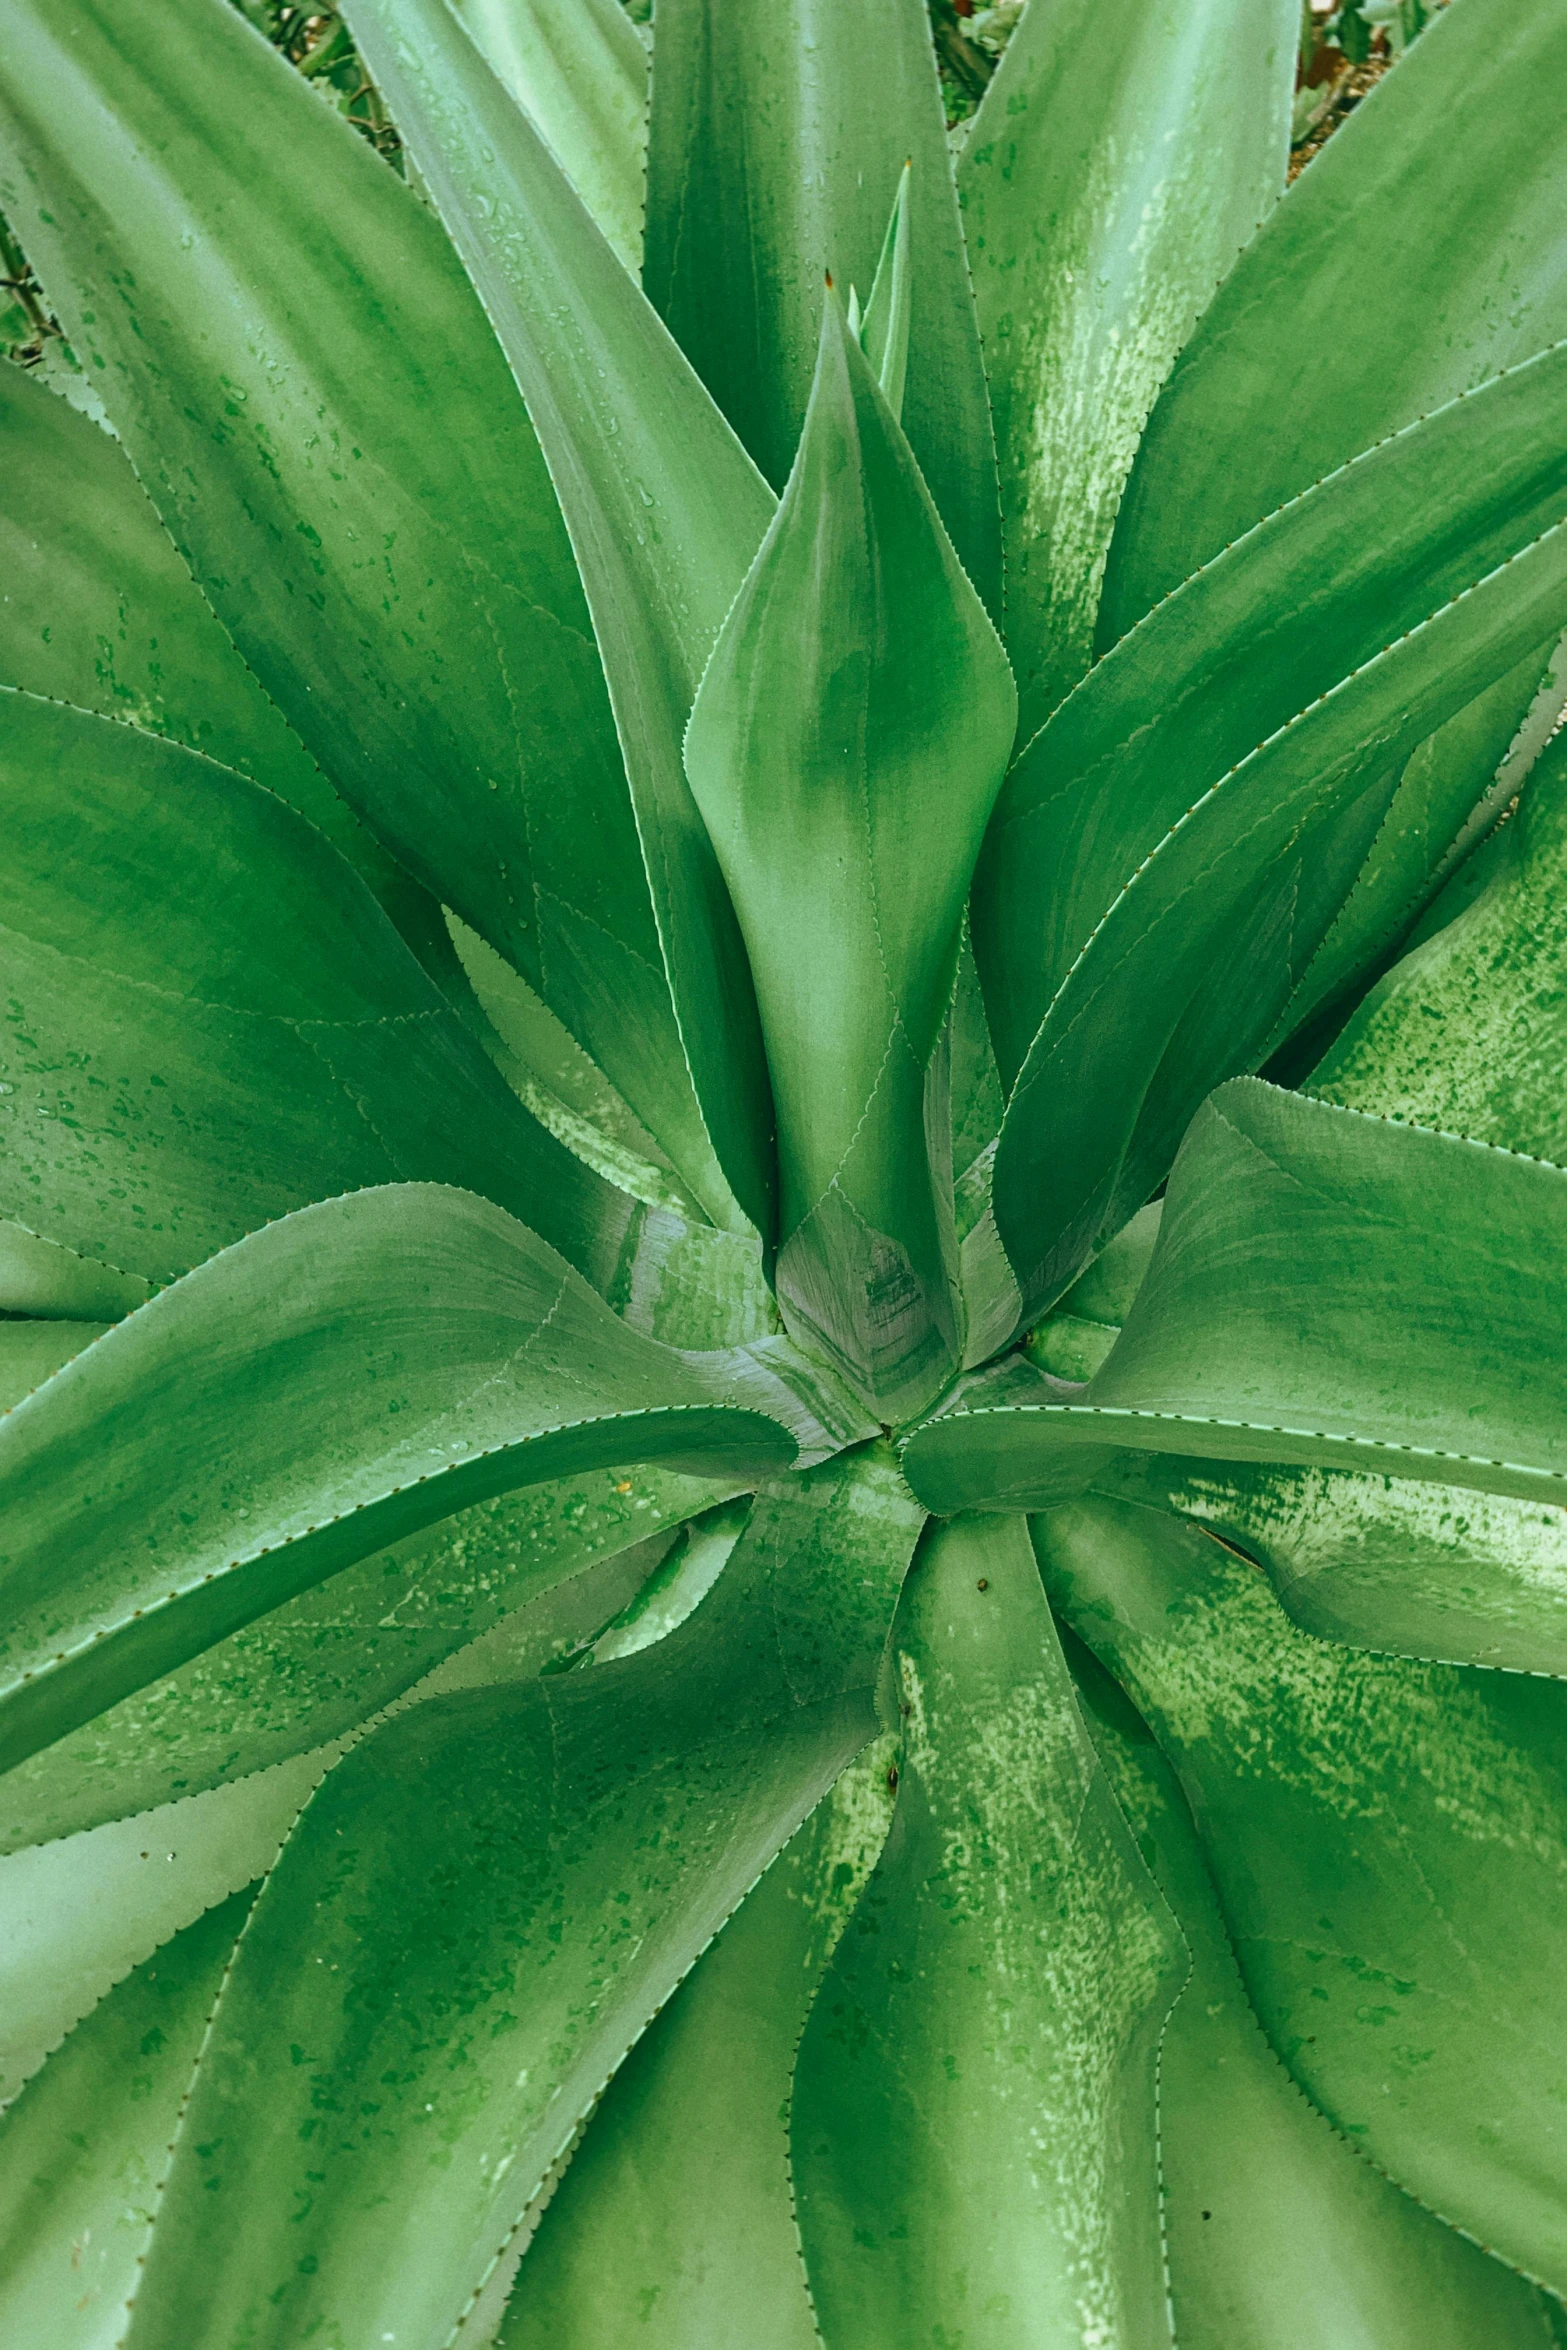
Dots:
pixel 974 2127
pixel 1276 2230
pixel 317 1667
pixel 31 1352
pixel 209 1020
pixel 77 1915
pixel 83 2152
pixel 1120 159
pixel 1449 795
pixel 542 1862
pixel 338 1380
pixel 1389 1563
pixel 674 2224
pixel 1469 1031
pixel 845 749
pixel 1389 1841
pixel 582 73
pixel 889 310
pixel 100 611
pixel 664 509
pixel 326 426
pixel 1168 854
pixel 1328 1289
pixel 1465 282
pixel 778 135
pixel 39 1277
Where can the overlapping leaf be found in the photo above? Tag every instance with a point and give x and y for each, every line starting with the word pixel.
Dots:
pixel 582 74
pixel 84 2151
pixel 334 1382
pixel 330 435
pixel 1328 1289
pixel 541 1862
pixel 664 509
pixel 1120 160
pixel 1276 2230
pixel 1169 852
pixel 972 2126
pixel 1466 281
pixel 1389 1841
pixel 674 2224
pixel 264 1039
pixel 845 750
pixel 777 139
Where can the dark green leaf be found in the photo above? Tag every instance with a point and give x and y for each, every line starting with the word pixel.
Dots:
pixel 1406 266
pixel 778 134
pixel 1389 1841
pixel 1276 2229
pixel 338 1380
pixel 210 1021
pixel 974 2128
pixel 542 1862
pixel 1121 157
pixel 324 422
pixel 665 513
pixel 845 750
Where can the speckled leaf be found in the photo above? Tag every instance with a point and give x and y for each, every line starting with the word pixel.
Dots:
pixel 83 2152
pixel 328 430
pixel 778 134
pixel 266 1038
pixel 1469 1031
pixel 845 750
pixel 1389 1841
pixel 665 512
pixel 1303 605
pixel 1307 354
pixel 973 2127
pixel 1228 874
pixel 581 71
pixel 1121 158
pixel 338 1380
pixel 1389 1563
pixel 1328 1289
pixel 674 2224
pixel 318 1666
pixel 542 1863
pixel 1276 2229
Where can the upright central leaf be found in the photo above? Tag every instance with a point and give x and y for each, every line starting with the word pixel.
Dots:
pixel 845 750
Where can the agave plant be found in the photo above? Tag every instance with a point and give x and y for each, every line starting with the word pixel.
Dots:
pixel 742 1603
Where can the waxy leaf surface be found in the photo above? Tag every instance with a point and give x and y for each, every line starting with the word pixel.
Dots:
pixel 665 512
pixel 340 1379
pixel 777 139
pixel 326 426
pixel 973 2123
pixel 845 750
pixel 1467 281
pixel 265 1038
pixel 1121 158
pixel 674 2224
pixel 1389 1841
pixel 1276 2228
pixel 541 1863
